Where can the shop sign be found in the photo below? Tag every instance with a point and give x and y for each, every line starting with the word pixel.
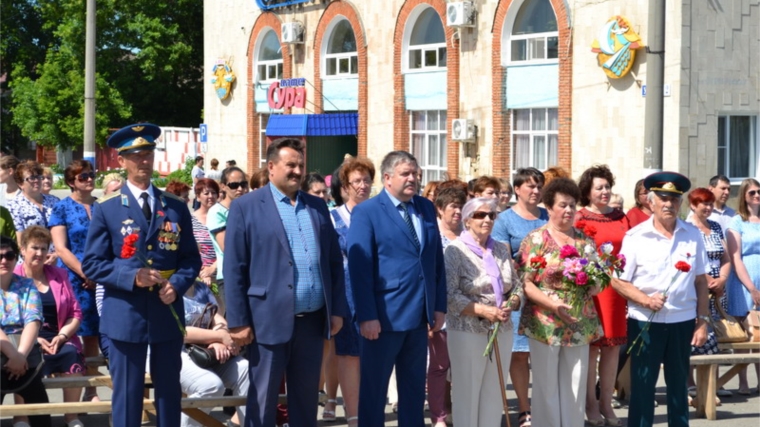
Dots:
pixel 616 47
pixel 273 4
pixel 287 93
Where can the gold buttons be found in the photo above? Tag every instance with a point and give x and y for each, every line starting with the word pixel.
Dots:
pixel 150 262
pixel 150 247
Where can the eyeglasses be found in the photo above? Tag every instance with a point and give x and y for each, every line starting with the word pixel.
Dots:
pixel 483 215
pixel 235 185
pixel 33 178
pixel 359 182
pixel 47 178
pixel 8 256
pixel 83 177
pixel 752 193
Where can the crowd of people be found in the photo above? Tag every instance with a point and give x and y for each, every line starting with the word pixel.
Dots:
pixel 312 283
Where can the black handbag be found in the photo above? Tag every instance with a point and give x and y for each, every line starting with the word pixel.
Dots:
pixel 203 356
pixel 34 360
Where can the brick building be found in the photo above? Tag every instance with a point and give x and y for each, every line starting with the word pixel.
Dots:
pixel 380 75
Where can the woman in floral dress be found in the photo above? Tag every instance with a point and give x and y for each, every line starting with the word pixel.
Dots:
pixel 560 329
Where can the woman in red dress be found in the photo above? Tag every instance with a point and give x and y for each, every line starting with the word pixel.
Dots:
pixel 604 224
pixel 641 212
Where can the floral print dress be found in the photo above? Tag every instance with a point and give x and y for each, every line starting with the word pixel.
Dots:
pixel 540 324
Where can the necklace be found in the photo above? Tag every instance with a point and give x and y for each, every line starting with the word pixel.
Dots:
pixel 564 237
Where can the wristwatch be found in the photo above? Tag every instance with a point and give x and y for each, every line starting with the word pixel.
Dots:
pixel 705 318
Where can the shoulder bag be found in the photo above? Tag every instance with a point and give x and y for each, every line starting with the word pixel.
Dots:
pixel 34 360
pixel 727 328
pixel 201 355
pixel 752 325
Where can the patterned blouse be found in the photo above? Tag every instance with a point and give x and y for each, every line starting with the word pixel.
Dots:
pixel 203 238
pixel 540 324
pixel 714 247
pixel 26 214
pixel 21 305
pixel 467 281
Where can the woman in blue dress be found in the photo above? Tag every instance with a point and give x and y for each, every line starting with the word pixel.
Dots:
pixel 356 177
pixel 511 227
pixel 743 287
pixel 69 224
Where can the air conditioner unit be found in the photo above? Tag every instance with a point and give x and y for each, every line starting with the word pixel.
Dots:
pixel 462 130
pixel 460 14
pixel 292 32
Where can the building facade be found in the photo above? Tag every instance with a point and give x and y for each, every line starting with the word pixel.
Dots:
pixel 367 77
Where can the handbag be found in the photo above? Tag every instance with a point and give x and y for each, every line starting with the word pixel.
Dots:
pixel 727 328
pixel 201 355
pixel 752 325
pixel 34 360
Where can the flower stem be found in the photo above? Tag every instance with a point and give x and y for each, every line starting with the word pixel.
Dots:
pixel 489 346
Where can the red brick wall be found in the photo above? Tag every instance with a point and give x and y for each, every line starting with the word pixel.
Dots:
pixel 348 10
pixel 401 138
pixel 265 20
pixel 502 137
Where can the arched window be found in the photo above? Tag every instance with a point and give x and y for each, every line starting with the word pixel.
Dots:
pixel 341 58
pixel 427 42
pixel 534 35
pixel 269 58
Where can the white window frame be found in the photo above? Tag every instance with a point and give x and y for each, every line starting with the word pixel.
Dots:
pixel 529 38
pixel 753 142
pixel 550 159
pixel 276 63
pixel 407 47
pixel 431 171
pixel 507 37
pixel 337 57
pixel 263 139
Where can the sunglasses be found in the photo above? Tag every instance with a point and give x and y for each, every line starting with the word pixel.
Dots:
pixel 84 177
pixel 47 178
pixel 8 256
pixel 235 185
pixel 752 193
pixel 483 215
pixel 33 178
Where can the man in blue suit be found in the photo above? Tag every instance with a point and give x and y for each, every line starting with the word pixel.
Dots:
pixel 283 272
pixel 140 289
pixel 395 260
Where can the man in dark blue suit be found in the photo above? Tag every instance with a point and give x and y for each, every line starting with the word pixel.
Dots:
pixel 395 260
pixel 140 289
pixel 283 272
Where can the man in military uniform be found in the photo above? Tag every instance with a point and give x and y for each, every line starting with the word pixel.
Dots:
pixel 140 289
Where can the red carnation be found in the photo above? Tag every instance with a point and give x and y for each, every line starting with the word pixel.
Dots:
pixel 568 251
pixel 683 266
pixel 580 224
pixel 589 230
pixel 128 249
pixel 581 279
pixel 538 262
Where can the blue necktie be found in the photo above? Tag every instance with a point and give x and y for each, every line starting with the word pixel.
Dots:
pixel 410 225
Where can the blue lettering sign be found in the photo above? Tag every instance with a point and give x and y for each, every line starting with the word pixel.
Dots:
pixel 273 4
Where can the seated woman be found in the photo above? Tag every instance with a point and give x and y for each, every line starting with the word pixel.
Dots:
pixel 60 345
pixel 231 372
pixel 21 315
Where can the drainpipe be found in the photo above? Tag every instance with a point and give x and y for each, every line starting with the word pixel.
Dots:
pixel 653 113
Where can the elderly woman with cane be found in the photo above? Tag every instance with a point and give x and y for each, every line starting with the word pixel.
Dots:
pixel 482 289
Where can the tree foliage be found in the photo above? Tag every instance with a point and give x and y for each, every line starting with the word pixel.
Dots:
pixel 148 61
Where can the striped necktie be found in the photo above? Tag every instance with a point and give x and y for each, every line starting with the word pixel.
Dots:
pixel 410 225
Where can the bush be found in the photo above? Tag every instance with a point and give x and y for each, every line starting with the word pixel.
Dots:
pixel 182 175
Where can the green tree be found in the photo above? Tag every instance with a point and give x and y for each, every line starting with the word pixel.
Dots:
pixel 149 68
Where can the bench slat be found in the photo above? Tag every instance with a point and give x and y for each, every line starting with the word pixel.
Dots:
pixel 105 406
pixel 85 381
pixel 710 359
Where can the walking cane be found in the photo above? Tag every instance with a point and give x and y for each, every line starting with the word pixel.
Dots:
pixel 501 379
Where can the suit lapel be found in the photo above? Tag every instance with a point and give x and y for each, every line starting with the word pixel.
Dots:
pixel 159 212
pixel 134 212
pixel 395 215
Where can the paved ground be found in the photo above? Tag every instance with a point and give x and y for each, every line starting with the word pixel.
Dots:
pixel 736 411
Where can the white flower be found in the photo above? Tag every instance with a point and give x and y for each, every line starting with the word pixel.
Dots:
pixel 588 250
pixel 537 239
pixel 606 248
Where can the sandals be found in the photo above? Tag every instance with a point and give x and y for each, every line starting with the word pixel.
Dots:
pixel 328 415
pixel 523 419
pixel 351 419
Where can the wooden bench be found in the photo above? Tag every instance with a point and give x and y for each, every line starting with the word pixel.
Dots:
pixel 707 370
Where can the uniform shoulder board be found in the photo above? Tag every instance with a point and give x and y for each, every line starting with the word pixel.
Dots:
pixel 172 196
pixel 108 197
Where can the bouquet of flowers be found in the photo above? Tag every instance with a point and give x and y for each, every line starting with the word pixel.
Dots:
pixel 681 267
pixel 128 250
pixel 593 268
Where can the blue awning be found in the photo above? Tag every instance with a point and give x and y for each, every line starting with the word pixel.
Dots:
pixel 312 124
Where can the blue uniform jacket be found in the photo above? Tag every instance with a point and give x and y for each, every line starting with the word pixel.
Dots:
pixel 130 313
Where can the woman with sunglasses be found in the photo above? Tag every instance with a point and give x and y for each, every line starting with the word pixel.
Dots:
pixel 21 314
pixel 69 224
pixel 483 288
pixel 31 207
pixel 233 185
pixel 743 286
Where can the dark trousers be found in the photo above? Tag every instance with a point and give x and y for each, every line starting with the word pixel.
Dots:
pixel 408 352
pixel 300 361
pixel 668 344
pixel 34 392
pixel 127 367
